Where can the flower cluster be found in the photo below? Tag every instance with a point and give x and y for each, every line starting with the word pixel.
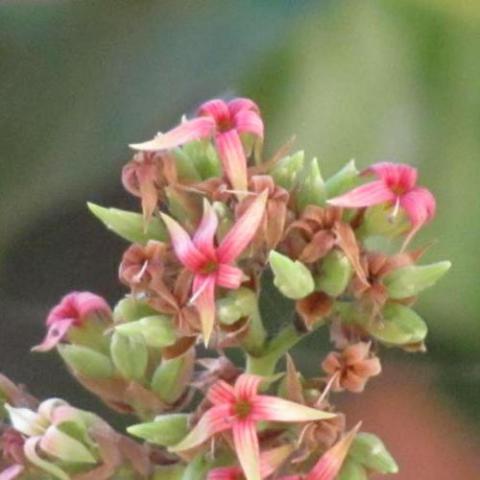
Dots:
pixel 233 252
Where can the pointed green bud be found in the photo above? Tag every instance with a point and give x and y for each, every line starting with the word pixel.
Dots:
pixel 384 221
pixel 157 330
pixel 235 305
pixel 172 376
pixel 311 187
pixel 291 277
pixel 336 272
pixel 166 430
pixel 368 450
pixel 58 444
pixel 129 225
pixel 285 172
pixel 185 166
pixel 198 468
pixel 129 355
pixel 204 156
pixel 351 470
pixel 130 309
pixel 411 280
pixel 85 361
pixel 400 326
pixel 343 180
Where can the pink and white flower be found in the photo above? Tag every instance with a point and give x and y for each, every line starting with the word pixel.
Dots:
pixel 238 409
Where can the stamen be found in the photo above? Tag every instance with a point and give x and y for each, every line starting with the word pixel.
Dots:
pixel 396 208
pixel 326 390
pixel 138 277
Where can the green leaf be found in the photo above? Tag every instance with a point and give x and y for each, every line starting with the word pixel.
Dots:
pixel 156 330
pixel 343 180
pixel 129 225
pixel 130 309
pixel 85 361
pixel 311 187
pixel 368 450
pixel 351 470
pixel 286 171
pixel 129 355
pixel 166 430
pixel 336 272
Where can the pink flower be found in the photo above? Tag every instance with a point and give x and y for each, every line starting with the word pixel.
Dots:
pixel 239 409
pixel 211 265
pixel 227 123
pixel 396 184
pixel 74 310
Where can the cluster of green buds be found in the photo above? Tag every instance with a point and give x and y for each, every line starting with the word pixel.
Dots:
pixel 235 253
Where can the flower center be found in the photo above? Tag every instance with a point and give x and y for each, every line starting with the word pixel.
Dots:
pixel 243 408
pixel 210 267
pixel 224 125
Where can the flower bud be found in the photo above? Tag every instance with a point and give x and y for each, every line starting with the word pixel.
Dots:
pixel 129 355
pixel 130 309
pixel 384 220
pixel 285 172
pixel 400 326
pixel 26 421
pixel 235 305
pixel 129 225
pixel 157 330
pixel 311 187
pixel 410 280
pixel 203 155
pixel 166 430
pixel 291 277
pixel 185 166
pixel 336 272
pixel 343 180
pixel 198 468
pixel 86 362
pixel 352 470
pixel 368 450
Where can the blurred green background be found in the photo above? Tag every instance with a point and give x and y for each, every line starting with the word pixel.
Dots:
pixel 365 79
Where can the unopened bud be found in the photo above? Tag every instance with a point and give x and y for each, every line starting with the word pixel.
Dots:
pixel 368 450
pixel 384 220
pixel 198 468
pixel 235 305
pixel 400 326
pixel 311 187
pixel 352 470
pixel 129 355
pixel 129 225
pixel 291 277
pixel 166 430
pixel 85 361
pixel 203 155
pixel 185 166
pixel 336 272
pixel 286 170
pixel 411 280
pixel 343 180
pixel 130 309
pixel 157 330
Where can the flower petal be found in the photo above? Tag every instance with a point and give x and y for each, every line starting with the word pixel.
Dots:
pixel 394 175
pixel 247 121
pixel 419 204
pixel 215 420
pixel 204 299
pixel 367 195
pixel 12 472
pixel 205 234
pixel 246 446
pixel 188 131
pixel 246 386
pixel 184 248
pixel 224 473
pixel 217 109
pixel 55 334
pixel 220 393
pixel 240 103
pixel 229 276
pixel 279 410
pixel 232 156
pixel 243 231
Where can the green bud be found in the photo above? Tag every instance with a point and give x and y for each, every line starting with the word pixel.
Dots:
pixel 157 330
pixel 129 225
pixel 171 377
pixel 198 468
pixel 352 470
pixel 85 361
pixel 235 305
pixel 400 326
pixel 58 444
pixel 166 430
pixel 129 355
pixel 368 450
pixel 311 187
pixel 168 472
pixel 130 309
pixel 291 277
pixel 336 272
pixel 285 172
pixel 204 156
pixel 411 280
pixel 185 166
pixel 379 221
pixel 343 180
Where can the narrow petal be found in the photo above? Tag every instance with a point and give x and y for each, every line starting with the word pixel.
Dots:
pixel 243 231
pixel 270 460
pixel 188 131
pixel 204 299
pixel 419 204
pixel 184 248
pixel 221 393
pixel 224 473
pixel 217 109
pixel 246 446
pixel 367 195
pixel 229 276
pixel 247 121
pixel 331 461
pixel 55 334
pixel 396 175
pixel 205 234
pixel 215 420
pixel 232 156
pixel 279 410
pixel 246 386
pixel 12 472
